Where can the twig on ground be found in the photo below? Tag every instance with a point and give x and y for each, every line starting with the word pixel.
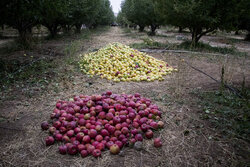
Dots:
pixel 234 90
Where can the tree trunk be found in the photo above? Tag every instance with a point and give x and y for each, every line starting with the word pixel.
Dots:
pixel 180 29
pixel 93 26
pixel 141 28
pixel 22 35
pixel 153 28
pixel 247 38
pixel 25 36
pixel 195 40
pixel 196 35
pixel 78 28
pixel 66 28
pixel 53 29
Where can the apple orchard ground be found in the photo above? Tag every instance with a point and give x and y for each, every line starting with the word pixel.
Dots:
pixel 188 140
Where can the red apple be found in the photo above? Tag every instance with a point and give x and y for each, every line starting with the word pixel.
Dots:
pixel 52 130
pixel 62 149
pixel 79 136
pixel 157 142
pixel 109 144
pixel 72 149
pixel 81 147
pixel 99 138
pixel 109 116
pixel 119 143
pixel 138 137
pixel 58 137
pixel 49 140
pixel 86 139
pixel 149 134
pixel 90 149
pixel 45 125
pixel 84 153
pixel 96 153
pixel 92 133
pixel 125 130
pixel 118 126
pixel 77 130
pixel 111 129
pixel 82 122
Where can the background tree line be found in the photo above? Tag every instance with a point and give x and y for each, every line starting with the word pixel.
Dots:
pixel 199 16
pixel 55 15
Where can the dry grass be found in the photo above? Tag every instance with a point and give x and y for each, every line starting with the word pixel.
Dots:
pixel 188 140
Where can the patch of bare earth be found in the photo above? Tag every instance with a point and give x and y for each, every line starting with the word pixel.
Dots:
pixel 187 139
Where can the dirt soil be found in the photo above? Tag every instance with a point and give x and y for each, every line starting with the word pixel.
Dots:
pixel 22 141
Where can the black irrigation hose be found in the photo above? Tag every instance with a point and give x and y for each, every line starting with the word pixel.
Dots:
pixel 23 67
pixel 51 52
pixel 9 128
pixel 177 51
pixel 233 90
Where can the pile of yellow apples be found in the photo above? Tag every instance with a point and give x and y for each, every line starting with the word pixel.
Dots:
pixel 119 62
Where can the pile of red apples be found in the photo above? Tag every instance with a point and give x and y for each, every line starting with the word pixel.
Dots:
pixel 91 124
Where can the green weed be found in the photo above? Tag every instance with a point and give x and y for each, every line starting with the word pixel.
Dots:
pixel 227 112
pixel 149 43
pixel 200 47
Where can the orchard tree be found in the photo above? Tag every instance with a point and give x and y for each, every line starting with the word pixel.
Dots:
pixel 200 16
pixel 122 20
pixel 82 12
pixel 53 14
pixel 20 15
pixel 154 17
pixel 105 15
pixel 2 13
pixel 23 15
pixel 243 21
pixel 135 12
pixel 143 13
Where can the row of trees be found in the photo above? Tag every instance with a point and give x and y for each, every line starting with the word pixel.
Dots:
pixel 55 15
pixel 199 16
pixel 140 12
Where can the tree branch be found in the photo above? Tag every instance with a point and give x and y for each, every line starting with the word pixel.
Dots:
pixel 205 32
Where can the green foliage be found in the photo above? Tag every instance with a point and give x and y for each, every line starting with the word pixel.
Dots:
pixel 122 19
pixel 243 20
pixel 187 45
pixel 142 13
pixel 227 112
pixel 33 73
pixel 200 16
pixel 81 12
pixel 52 14
pixel 20 15
pixel 149 43
pixel 23 15
pixel 38 72
pixel 105 15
